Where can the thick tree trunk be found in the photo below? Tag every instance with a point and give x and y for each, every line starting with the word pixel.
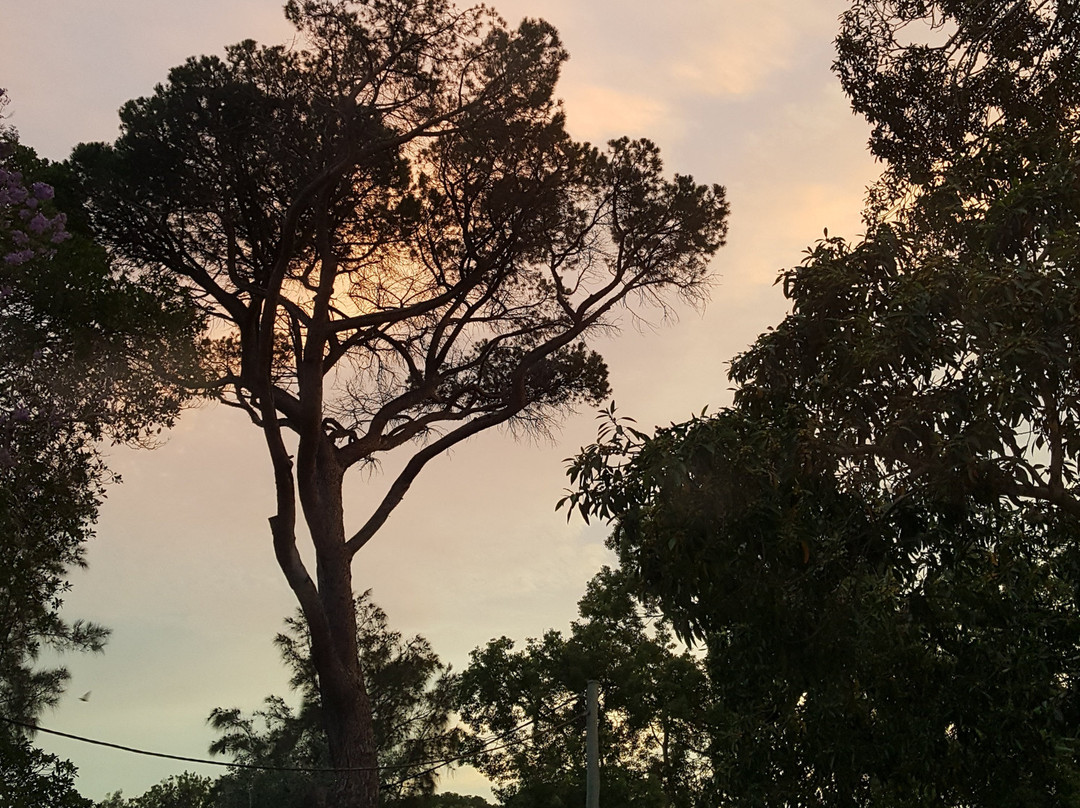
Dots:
pixel 347 714
pixel 331 618
pixel 349 729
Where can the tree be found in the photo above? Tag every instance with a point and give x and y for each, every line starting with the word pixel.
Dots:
pixel 189 790
pixel 449 799
pixel 400 247
pixel 411 696
pixel 877 542
pixel 862 649
pixel 653 729
pixel 934 77
pixel 31 778
pixel 90 354
pixel 940 349
pixel 184 790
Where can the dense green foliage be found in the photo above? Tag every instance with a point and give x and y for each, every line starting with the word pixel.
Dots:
pixel 31 778
pixel 863 650
pixel 935 76
pixel 90 354
pixel 877 542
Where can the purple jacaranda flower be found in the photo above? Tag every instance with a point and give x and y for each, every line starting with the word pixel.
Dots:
pixel 39 224
pixel 20 257
pixel 20 238
pixel 42 191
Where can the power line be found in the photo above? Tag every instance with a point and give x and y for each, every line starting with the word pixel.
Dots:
pixel 147 753
pixel 435 764
pixel 483 750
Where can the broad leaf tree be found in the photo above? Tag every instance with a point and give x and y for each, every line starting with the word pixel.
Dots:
pixel 861 648
pixel 31 778
pixel 934 76
pixel 399 247
pixel 877 543
pixel 656 699
pixel 941 349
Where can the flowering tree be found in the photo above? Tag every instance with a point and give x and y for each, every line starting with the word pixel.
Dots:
pixel 87 353
pixel 26 230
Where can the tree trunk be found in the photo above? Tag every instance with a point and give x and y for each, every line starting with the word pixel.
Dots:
pixel 331 618
pixel 350 732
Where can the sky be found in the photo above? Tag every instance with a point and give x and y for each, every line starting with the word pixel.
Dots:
pixel 182 568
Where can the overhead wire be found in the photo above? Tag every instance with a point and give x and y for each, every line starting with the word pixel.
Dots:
pixel 482 750
pixel 434 764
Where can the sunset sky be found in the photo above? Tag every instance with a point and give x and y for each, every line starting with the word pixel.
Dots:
pixel 182 569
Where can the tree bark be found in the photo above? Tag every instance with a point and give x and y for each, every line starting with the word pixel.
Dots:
pixel 349 728
pixel 347 712
pixel 330 612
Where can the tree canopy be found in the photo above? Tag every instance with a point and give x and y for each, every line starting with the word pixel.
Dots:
pixel 861 650
pixel 941 347
pixel 654 736
pixel 398 246
pixel 184 790
pixel 31 778
pixel 876 543
pixel 935 76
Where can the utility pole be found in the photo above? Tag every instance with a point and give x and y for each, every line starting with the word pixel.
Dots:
pixel 592 746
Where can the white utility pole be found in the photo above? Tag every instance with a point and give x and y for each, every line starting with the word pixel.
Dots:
pixel 592 746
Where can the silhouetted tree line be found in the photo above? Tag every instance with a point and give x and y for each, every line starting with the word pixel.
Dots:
pixel 856 586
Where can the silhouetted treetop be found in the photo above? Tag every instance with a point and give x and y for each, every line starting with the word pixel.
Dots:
pixel 399 246
pixel 931 76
